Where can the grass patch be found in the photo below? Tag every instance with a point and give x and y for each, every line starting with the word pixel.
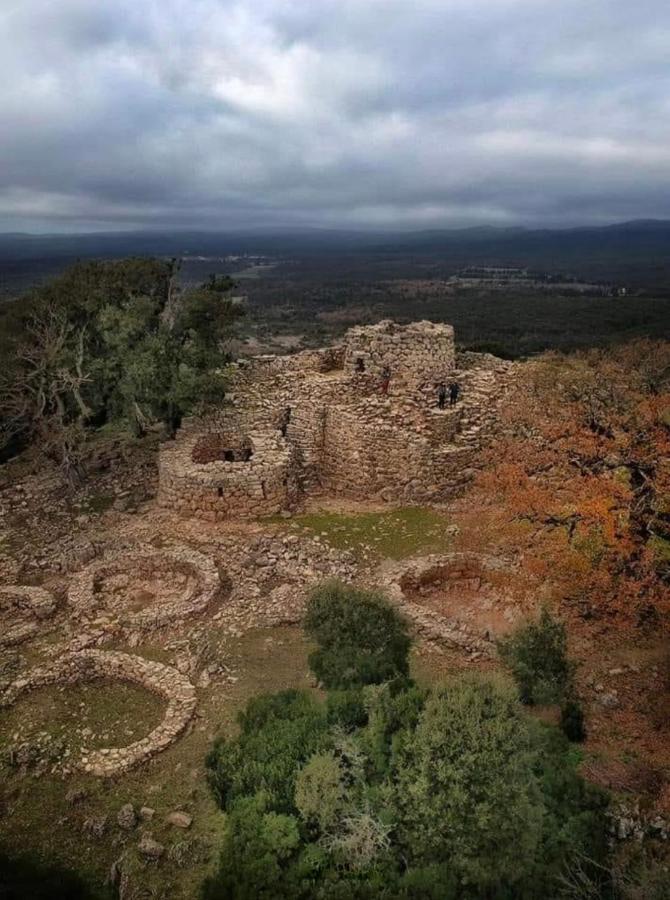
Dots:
pixel 96 504
pixel 94 715
pixel 39 818
pixel 395 534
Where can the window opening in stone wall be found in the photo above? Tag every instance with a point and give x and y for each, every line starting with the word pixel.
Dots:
pixel 220 492
pixel 360 364
pixel 285 419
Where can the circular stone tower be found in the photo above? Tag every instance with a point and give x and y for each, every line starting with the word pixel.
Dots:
pixel 415 356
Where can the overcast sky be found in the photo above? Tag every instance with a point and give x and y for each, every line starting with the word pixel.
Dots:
pixel 337 113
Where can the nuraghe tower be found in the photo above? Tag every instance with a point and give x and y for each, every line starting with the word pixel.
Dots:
pixel 319 422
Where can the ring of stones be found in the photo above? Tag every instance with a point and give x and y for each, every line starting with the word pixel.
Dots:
pixel 198 572
pixel 91 665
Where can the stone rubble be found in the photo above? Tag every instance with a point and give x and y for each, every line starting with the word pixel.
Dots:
pixel 22 608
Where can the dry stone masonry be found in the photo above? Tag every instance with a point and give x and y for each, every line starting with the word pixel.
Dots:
pixel 400 581
pixel 359 420
pixel 92 665
pixel 22 608
pixel 143 589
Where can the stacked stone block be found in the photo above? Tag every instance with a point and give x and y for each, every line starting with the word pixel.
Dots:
pixel 94 665
pixel 322 421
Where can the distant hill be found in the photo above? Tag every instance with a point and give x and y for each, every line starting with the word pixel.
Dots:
pixel 635 253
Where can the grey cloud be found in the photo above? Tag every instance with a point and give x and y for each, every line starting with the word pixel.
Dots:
pixel 367 112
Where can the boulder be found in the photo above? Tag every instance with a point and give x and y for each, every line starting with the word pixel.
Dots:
pixel 150 848
pixel 180 819
pixel 126 817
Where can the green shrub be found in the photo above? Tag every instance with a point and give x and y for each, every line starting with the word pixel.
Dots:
pixel 361 638
pixel 572 721
pixel 256 854
pixel 279 733
pixel 320 791
pixel 537 657
pixel 465 788
pixel 346 709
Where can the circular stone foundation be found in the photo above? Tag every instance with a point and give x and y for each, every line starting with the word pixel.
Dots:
pixel 91 665
pixel 146 588
pixel 440 594
pixel 215 475
pixel 22 608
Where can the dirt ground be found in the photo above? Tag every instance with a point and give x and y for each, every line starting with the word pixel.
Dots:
pixel 250 641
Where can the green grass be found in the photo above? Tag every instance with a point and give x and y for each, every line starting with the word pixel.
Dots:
pixel 95 715
pixel 96 504
pixel 39 819
pixel 396 534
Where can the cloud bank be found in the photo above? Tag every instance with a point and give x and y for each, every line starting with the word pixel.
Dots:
pixel 336 113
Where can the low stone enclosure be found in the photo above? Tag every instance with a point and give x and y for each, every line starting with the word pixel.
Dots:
pixel 404 581
pixel 143 589
pixel 359 420
pixel 92 665
pixel 22 608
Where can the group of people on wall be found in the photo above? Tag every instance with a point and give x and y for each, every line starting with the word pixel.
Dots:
pixel 450 392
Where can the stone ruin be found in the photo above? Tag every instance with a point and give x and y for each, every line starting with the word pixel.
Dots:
pixel 108 665
pixel 405 581
pixel 22 608
pixel 358 420
pixel 138 590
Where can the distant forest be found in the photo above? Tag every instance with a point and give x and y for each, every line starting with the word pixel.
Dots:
pixel 318 283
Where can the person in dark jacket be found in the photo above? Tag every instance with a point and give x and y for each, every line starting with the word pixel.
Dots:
pixel 386 380
pixel 441 395
pixel 454 392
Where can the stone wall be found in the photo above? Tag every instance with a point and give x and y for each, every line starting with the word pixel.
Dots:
pixel 92 665
pixel 399 580
pixel 419 354
pixel 261 485
pixel 321 421
pixel 192 585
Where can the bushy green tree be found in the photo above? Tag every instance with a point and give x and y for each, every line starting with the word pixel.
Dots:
pixel 320 791
pixel 465 790
pixel 256 854
pixel 537 656
pixel 279 733
pixel 361 638
pixel 111 342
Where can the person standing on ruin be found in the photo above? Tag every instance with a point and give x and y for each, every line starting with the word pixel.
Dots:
pixel 386 380
pixel 441 395
pixel 454 391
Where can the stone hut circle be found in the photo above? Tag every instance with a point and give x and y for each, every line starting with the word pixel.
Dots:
pixel 360 420
pixel 22 608
pixel 92 665
pixel 145 588
pixel 409 583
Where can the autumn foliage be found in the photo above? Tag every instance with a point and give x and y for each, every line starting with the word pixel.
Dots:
pixel 577 488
